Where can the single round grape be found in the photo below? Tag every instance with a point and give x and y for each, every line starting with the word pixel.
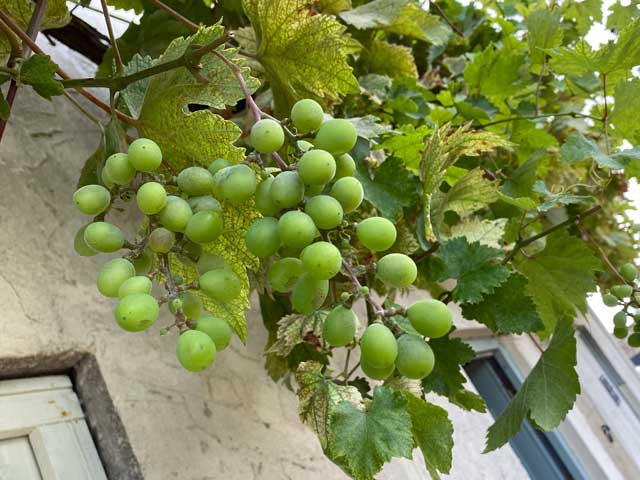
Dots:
pixel 190 303
pixel 376 373
pixel 307 115
pixel 620 319
pixel 161 240
pixel 103 237
pixel 634 340
pixel 629 272
pixel 264 203
pixel 204 227
pixel 415 357
pixel 137 284
pixel 218 165
pixel 106 180
pixel 430 317
pixel 196 351
pixel 622 291
pixel 376 233
pixel 113 274
pixel 266 136
pixel 609 300
pixel 316 167
pixel 119 169
pixel 339 327
pixel 620 332
pixel 309 294
pixel 137 312
pixel 345 166
pixel 364 291
pixel 287 190
pixel 151 198
pixel 313 190
pixel 321 260
pixel 92 199
pixel 378 346
pixel 284 273
pixel 397 270
pixel 175 305
pixel 222 285
pixel 325 211
pixel 236 184
pixel 203 203
pixel 144 155
pixel 80 246
pixel 344 296
pixel 348 191
pixel 296 229
pixel 195 181
pixel 218 330
pixel 176 214
pixel 210 261
pixel 336 136
pixel 143 263
pixel 262 237
pixel 303 145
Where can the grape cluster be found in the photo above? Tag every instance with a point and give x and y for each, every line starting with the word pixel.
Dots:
pixel 626 295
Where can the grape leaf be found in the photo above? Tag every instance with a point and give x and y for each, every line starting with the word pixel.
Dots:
pixel 295 329
pixel 585 13
pixel 552 200
pixel 548 393
pixel 390 59
pixel 369 127
pixel 486 232
pixel 496 73
pixel 135 5
pixel 621 15
pixel 474 266
pixel 333 6
pixel 508 309
pixel 39 71
pixel 578 148
pixel 404 384
pixel 365 440
pixel 133 95
pixel 544 32
pixel 408 146
pixel 625 110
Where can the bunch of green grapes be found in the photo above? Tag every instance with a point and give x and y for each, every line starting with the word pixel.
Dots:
pixel 627 296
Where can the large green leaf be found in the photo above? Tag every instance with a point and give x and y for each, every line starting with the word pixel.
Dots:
pixel 407 146
pixel 624 116
pixel 486 232
pixel 294 329
pixel 496 73
pixel 390 59
pixel 39 71
pixel 544 31
pixel 133 95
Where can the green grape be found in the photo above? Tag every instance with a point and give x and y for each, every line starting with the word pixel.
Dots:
pixel 348 191
pixel 264 203
pixel 113 274
pixel 262 237
pixel 222 285
pixel 629 272
pixel 609 300
pixel 634 340
pixel 107 181
pixel 284 273
pixel 190 303
pixel 376 373
pixel 218 165
pixel 339 327
pixel 364 291
pixel 161 240
pixel 344 296
pixel 309 294
pixel 218 330
pixel 175 305
pixel 266 136
pixel 196 351
pixel 118 169
pixel 307 115
pixel 378 346
pixel 236 184
pixel 620 319
pixel 287 190
pixel 321 260
pixel 336 136
pixel 620 332
pixel 345 166
pixel 622 291
pixel 204 203
pixel 397 270
pixel 143 263
pixel 80 246
pixel 103 237
pixel 151 198
pixel 325 211
pixel 195 181
pixel 204 227
pixel 303 145
pixel 137 284
pixel 144 155
pixel 316 167
pixel 415 357
pixel 376 233
pixel 92 199
pixel 176 214
pixel 313 190
pixel 137 312
pixel 296 229
pixel 210 261
pixel 430 317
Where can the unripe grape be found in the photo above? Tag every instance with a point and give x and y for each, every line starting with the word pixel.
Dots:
pixel 307 115
pixel 620 319
pixel 113 274
pixel 344 296
pixel 309 294
pixel 629 272
pixel 378 346
pixel 622 291
pixel 316 167
pixel 203 203
pixel 284 273
pixel 103 237
pixel 336 136
pixel 376 233
pixel 397 270
pixel 348 191
pixel 151 198
pixel 430 317
pixel 287 190
pixel 106 180
pixel 144 155
pixel 415 357
pixel 262 237
pixel 345 166
pixel 80 246
pixel 634 340
pixel 218 330
pixel 119 169
pixel 137 284
pixel 364 291
pixel 235 184
pixel 92 199
pixel 321 260
pixel 313 190
pixel 222 285
pixel 175 305
pixel 218 165
pixel 210 261
pixel 196 351
pixel 190 303
pixel 176 214
pixel 325 211
pixel 137 312
pixel 195 181
pixel 263 200
pixel 620 332
pixel 296 229
pixel 376 373
pixel 143 263
pixel 204 227
pixel 304 146
pixel 161 240
pixel 339 327
pixel 609 300
pixel 266 136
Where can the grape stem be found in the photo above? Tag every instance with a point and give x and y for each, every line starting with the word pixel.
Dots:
pixel 114 45
pixel 185 21
pixel 181 321
pixel 377 309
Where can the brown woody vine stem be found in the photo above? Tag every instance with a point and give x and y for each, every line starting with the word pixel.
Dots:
pixel 114 45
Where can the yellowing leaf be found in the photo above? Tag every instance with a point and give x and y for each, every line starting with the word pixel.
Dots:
pixel 389 59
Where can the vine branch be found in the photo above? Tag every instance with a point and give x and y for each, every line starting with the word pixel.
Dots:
pixel 184 20
pixel 114 45
pixel 535 117
pixel 165 267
